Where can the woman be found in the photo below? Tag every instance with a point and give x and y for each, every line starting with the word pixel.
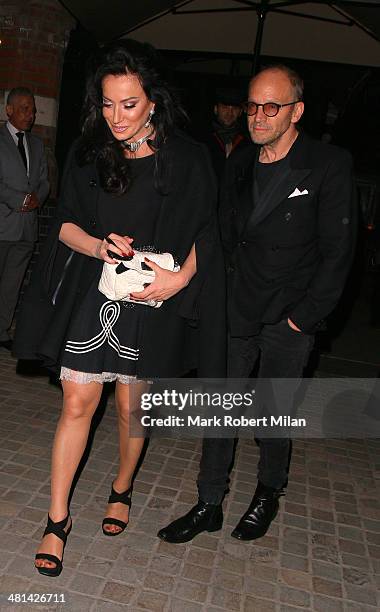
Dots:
pixel 131 182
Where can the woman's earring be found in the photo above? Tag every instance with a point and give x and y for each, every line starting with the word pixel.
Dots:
pixel 151 113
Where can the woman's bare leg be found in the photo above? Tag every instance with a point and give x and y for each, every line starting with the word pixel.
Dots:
pixel 79 404
pixel 128 406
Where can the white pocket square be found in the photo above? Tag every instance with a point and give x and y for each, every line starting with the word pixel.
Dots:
pixel 297 192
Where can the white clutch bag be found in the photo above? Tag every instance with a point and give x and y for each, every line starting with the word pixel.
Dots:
pixel 118 281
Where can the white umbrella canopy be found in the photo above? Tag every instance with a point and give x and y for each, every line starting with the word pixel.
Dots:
pixel 333 35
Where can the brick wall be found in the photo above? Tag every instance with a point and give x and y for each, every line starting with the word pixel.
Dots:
pixel 34 36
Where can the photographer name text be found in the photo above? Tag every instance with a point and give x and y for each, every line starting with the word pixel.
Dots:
pixel 225 420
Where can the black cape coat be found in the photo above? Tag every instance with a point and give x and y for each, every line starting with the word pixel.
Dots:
pixel 188 331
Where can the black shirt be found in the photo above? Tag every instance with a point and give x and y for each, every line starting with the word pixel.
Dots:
pixel 134 213
pixel 266 172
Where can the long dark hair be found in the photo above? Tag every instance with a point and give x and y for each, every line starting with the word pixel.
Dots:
pixel 97 143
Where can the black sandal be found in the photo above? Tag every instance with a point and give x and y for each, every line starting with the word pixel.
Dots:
pixel 58 529
pixel 115 498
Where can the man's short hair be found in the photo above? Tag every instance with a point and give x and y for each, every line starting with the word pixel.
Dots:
pixel 293 76
pixel 18 91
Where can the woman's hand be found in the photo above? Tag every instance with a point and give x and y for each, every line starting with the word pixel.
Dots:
pixel 80 241
pixel 120 245
pixel 165 285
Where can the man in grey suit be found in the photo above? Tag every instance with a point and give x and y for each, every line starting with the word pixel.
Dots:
pixel 24 187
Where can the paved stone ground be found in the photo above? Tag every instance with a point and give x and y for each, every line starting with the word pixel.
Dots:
pixel 322 552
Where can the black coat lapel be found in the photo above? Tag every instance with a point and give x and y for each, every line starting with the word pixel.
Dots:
pixel 291 176
pixel 279 190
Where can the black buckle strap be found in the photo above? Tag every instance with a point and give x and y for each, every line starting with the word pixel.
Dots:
pixel 121 498
pixel 57 528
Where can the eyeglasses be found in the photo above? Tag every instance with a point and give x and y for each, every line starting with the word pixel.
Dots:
pixel 270 109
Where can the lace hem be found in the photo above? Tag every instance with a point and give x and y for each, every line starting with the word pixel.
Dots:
pixel 83 378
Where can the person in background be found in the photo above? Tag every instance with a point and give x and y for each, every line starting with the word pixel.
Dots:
pixel 227 135
pixel 24 187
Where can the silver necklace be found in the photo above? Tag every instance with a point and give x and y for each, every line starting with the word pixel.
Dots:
pixel 135 145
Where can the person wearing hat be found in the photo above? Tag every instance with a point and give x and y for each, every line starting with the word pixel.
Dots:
pixel 227 135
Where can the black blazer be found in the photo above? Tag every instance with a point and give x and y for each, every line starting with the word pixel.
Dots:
pixel 289 251
pixel 189 329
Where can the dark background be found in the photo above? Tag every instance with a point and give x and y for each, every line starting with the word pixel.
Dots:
pixel 352 91
pixel 341 103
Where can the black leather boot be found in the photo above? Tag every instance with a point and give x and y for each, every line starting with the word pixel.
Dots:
pixel 202 517
pixel 261 512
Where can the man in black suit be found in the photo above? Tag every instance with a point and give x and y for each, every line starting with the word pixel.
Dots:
pixel 23 188
pixel 288 226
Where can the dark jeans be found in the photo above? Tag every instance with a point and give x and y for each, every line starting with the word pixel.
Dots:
pixel 283 353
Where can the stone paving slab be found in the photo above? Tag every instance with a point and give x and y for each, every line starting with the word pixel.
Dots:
pixel 322 552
